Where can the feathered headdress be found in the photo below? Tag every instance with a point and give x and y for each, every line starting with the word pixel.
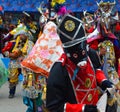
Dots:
pixel 59 6
pixel 21 29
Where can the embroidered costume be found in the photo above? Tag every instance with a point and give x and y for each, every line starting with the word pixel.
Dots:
pixel 75 87
pixel 16 50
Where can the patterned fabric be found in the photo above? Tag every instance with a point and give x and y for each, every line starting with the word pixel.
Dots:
pixel 47 49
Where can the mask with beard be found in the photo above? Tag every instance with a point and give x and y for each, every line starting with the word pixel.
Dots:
pixel 77 53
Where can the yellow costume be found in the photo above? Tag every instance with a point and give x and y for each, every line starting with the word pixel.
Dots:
pixel 17 54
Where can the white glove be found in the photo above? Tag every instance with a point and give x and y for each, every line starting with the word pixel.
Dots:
pixel 111 90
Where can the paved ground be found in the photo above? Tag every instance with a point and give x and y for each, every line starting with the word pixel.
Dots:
pixel 11 105
pixel 15 104
pixel 118 109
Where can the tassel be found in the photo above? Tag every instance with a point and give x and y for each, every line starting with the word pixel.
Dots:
pixel 30 79
pixel 44 93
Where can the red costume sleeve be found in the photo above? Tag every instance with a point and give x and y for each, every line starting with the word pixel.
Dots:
pixel 74 107
pixel 100 76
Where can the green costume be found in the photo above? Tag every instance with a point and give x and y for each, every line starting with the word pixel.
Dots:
pixel 3 73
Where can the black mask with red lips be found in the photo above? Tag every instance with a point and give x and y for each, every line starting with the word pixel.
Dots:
pixel 77 53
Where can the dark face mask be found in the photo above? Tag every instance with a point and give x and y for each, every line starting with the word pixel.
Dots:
pixel 77 53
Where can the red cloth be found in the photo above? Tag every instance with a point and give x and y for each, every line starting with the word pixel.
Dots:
pixel 94 44
pixel 1 8
pixel 87 80
pixel 74 107
pixel 117 27
pixel 7 47
pixel 90 30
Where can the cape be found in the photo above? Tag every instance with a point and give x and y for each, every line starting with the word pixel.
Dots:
pixel 47 50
